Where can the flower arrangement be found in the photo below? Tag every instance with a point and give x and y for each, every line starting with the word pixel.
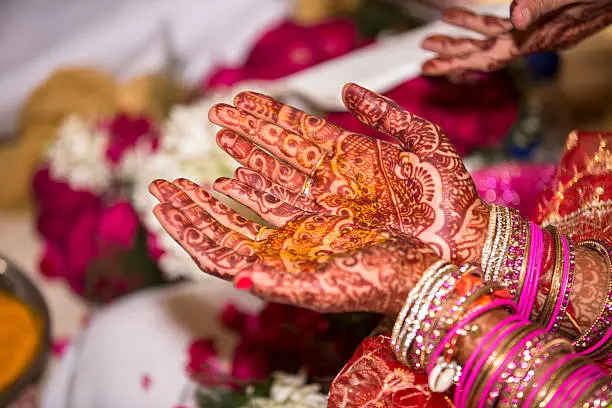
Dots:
pixel 285 356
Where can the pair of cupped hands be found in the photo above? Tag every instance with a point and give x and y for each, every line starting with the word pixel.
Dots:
pixel 352 221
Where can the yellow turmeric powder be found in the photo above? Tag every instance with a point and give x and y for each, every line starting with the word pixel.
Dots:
pixel 20 338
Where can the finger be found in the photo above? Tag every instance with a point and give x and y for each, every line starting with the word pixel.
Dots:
pixel 251 156
pixel 257 181
pixel 203 221
pixel 524 13
pixel 312 128
pixel 498 54
pixel 267 206
pixel 311 290
pixel 287 146
pixel 412 132
pixel 221 212
pixel 210 257
pixel 487 25
pixel 452 47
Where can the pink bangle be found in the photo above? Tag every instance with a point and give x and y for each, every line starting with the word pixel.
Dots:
pixel 496 304
pixel 459 390
pixel 565 288
pixel 580 390
pixel 474 371
pixel 487 397
pixel 536 388
pixel 530 286
pixel 567 391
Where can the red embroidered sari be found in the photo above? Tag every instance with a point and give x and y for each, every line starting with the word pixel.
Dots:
pixel 578 201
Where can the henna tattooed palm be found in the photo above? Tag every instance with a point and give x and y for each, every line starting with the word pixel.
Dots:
pixel 557 30
pixel 297 164
pixel 323 262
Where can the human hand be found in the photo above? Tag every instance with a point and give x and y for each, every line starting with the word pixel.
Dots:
pixel 296 164
pixel 322 262
pixel 555 25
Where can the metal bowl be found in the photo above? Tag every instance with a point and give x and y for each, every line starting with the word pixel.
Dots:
pixel 15 282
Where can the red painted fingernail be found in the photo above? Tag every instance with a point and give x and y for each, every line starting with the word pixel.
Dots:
pixel 244 283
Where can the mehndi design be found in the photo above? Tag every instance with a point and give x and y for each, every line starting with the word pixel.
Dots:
pixel 327 263
pixel 296 164
pixel 557 30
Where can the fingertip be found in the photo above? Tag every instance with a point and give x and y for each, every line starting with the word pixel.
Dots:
pixel 521 18
pixel 221 183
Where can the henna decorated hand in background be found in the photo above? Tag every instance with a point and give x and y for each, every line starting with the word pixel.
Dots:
pixel 556 25
pixel 297 164
pixel 322 262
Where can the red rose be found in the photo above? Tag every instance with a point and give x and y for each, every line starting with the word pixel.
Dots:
pixel 118 226
pixel 202 357
pixel 249 363
pixel 125 131
pixel 232 318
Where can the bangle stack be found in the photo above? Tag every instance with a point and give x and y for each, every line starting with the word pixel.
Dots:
pixel 513 255
pixel 515 364
pixel 555 307
pixel 596 342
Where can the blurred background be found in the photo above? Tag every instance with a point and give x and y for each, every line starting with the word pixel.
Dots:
pixel 100 98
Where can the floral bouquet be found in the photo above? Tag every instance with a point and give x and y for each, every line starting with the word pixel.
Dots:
pixel 285 357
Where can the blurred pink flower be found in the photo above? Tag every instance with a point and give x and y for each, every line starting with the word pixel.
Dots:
pixel 53 263
pixel 118 226
pixel 287 49
pixel 124 132
pixel 81 247
pixel 154 250
pixel 249 363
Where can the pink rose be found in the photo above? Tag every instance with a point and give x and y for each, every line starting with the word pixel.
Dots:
pixel 53 263
pixel 287 49
pixel 224 77
pixel 125 131
pixel 118 226
pixel 55 197
pixel 81 245
pixel 154 250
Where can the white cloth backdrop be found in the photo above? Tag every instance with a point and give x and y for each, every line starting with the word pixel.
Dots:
pixel 127 37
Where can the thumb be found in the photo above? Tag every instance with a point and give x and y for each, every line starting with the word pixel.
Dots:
pixel 523 13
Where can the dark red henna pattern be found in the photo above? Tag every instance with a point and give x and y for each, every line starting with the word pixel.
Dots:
pixel 557 30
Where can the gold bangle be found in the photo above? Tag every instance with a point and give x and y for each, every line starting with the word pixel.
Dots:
pixel 555 284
